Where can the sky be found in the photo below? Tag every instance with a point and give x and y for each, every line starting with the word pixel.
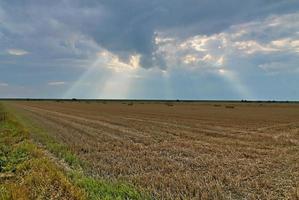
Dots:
pixel 158 49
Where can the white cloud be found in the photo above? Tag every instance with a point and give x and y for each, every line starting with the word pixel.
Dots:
pixel 56 83
pixel 252 46
pixel 200 51
pixel 287 44
pixel 112 61
pixel 3 84
pixel 188 59
pixel 241 42
pixel 279 66
pixel 163 40
pixel 17 52
pixel 281 42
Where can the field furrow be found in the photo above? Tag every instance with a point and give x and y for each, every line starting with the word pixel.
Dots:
pixel 182 151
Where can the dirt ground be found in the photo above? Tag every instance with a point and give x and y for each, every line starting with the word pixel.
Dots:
pixel 182 150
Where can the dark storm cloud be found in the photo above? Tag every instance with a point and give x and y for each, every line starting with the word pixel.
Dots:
pixel 130 26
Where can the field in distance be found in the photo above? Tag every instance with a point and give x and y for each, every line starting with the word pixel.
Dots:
pixel 181 150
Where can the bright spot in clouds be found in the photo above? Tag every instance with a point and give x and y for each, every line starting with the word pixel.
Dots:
pixel 113 62
pixel 222 71
pixel 17 52
pixel 56 83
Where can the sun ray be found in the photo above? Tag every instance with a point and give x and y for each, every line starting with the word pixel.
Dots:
pixel 108 77
pixel 236 83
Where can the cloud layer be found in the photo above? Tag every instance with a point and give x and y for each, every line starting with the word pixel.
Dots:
pixel 164 46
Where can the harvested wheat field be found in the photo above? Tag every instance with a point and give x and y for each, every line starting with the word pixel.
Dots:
pixel 180 150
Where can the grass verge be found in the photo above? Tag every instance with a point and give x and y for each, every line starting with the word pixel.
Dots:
pixel 93 188
pixel 26 172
